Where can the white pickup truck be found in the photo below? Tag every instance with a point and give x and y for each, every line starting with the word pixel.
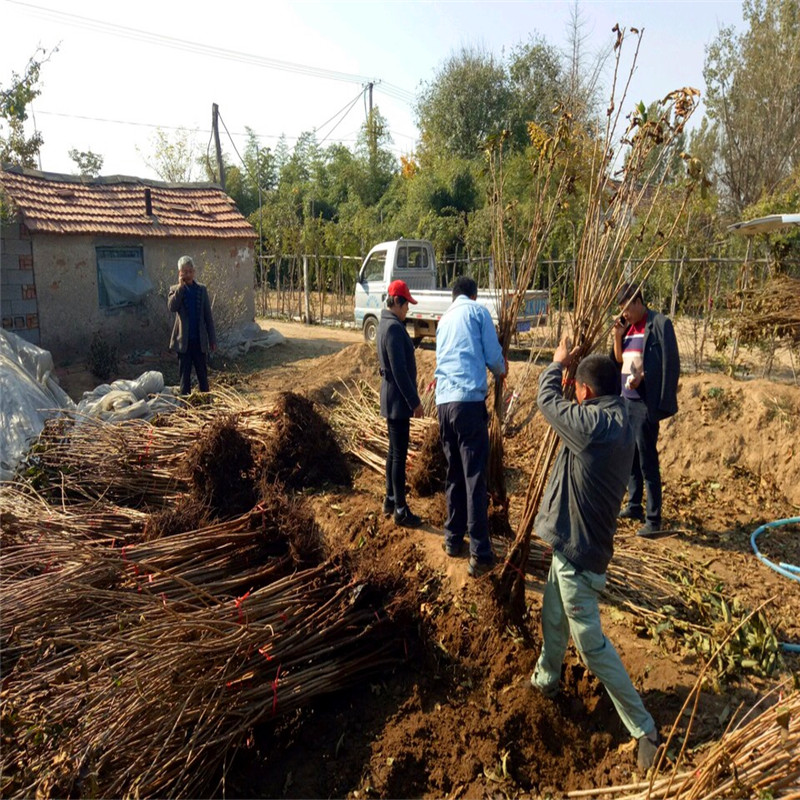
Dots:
pixel 412 261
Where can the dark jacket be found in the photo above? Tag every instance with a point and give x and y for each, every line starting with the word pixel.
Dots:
pixel 662 367
pixel 578 515
pixel 179 340
pixel 398 368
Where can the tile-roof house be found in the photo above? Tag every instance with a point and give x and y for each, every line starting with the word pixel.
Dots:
pixel 80 256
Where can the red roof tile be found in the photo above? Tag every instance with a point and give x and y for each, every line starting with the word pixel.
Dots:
pixel 51 203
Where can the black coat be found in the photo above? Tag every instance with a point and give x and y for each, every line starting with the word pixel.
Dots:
pixel 662 367
pixel 398 368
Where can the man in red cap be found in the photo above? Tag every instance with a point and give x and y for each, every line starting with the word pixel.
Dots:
pixel 399 398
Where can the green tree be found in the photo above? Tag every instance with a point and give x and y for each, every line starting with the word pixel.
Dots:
pixel 172 158
pixel 16 147
pixel 753 101
pixel 536 84
pixel 89 164
pixel 467 100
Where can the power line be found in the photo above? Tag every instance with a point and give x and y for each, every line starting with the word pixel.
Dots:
pixel 203 130
pixel 175 43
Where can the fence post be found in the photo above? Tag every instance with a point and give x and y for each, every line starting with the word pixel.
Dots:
pixel 306 292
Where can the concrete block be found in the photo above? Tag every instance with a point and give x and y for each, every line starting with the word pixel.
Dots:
pixel 16 277
pixel 24 307
pixel 16 247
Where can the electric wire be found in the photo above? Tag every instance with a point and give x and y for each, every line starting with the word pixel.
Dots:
pixel 186 45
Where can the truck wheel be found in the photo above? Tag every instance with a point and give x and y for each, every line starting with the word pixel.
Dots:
pixel 370 330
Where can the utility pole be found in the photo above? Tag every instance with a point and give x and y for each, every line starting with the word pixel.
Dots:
pixel 215 129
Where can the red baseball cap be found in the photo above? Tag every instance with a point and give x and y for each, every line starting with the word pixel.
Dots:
pixel 400 289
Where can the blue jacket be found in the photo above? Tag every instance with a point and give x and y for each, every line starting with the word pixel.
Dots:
pixel 578 514
pixel 466 344
pixel 398 368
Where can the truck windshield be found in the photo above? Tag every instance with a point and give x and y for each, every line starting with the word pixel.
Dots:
pixel 373 269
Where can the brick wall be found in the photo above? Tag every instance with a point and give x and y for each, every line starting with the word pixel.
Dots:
pixel 20 310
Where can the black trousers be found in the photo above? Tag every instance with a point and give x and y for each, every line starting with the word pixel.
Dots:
pixel 193 357
pixel 399 430
pixel 645 472
pixel 464 433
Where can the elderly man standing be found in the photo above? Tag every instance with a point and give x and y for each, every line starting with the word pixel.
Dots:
pixel 399 398
pixel 193 333
pixel 466 344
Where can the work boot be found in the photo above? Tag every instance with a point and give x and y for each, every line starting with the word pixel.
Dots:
pixel 649 530
pixel 648 748
pixel 550 693
pixel 476 567
pixel 407 519
pixel 631 513
pixel 388 506
pixel 453 550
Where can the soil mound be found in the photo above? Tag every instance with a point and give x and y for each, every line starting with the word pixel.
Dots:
pixel 303 451
pixel 220 466
pixel 427 474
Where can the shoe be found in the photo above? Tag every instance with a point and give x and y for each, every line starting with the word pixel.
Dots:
pixel 407 519
pixel 648 748
pixel 631 513
pixel 388 506
pixel 477 568
pixel 550 693
pixel 649 530
pixel 453 550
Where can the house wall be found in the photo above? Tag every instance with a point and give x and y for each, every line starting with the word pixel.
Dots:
pixel 20 309
pixel 69 311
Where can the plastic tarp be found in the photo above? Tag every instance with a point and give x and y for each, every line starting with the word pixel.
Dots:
pixel 29 395
pixel 247 336
pixel 142 398
pixel 124 281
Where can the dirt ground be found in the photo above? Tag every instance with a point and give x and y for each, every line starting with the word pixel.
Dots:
pixel 458 719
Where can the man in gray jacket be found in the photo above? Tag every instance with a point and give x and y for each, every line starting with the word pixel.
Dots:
pixel 193 333
pixel 578 519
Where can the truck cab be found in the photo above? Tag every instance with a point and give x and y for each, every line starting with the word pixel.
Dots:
pixel 409 260
pixel 413 261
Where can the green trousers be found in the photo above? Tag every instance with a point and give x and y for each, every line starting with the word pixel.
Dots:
pixel 570 607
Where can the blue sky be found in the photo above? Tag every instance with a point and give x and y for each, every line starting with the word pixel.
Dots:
pixel 124 69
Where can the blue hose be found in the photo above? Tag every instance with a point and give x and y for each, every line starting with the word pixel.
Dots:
pixel 787 570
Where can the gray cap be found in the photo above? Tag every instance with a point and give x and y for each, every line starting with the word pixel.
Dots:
pixel 185 261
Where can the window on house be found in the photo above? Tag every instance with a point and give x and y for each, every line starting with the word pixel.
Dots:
pixel 121 277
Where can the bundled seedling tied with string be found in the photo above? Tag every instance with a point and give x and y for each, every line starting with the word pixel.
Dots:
pixel 626 227
pixel 516 257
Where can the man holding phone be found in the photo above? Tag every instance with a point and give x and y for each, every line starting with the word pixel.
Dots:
pixel 193 333
pixel 646 350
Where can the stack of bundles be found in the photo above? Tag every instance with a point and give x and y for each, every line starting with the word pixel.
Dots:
pixel 769 311
pixel 138 463
pixel 138 669
pixel 755 758
pixel 141 650
pixel 358 423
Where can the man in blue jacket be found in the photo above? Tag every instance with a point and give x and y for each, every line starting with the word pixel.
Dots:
pixel 399 398
pixel 646 349
pixel 466 344
pixel 578 519
pixel 193 333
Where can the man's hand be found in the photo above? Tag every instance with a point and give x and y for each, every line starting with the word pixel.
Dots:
pixel 213 347
pixel 635 378
pixel 418 412
pixel 620 326
pixel 565 352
